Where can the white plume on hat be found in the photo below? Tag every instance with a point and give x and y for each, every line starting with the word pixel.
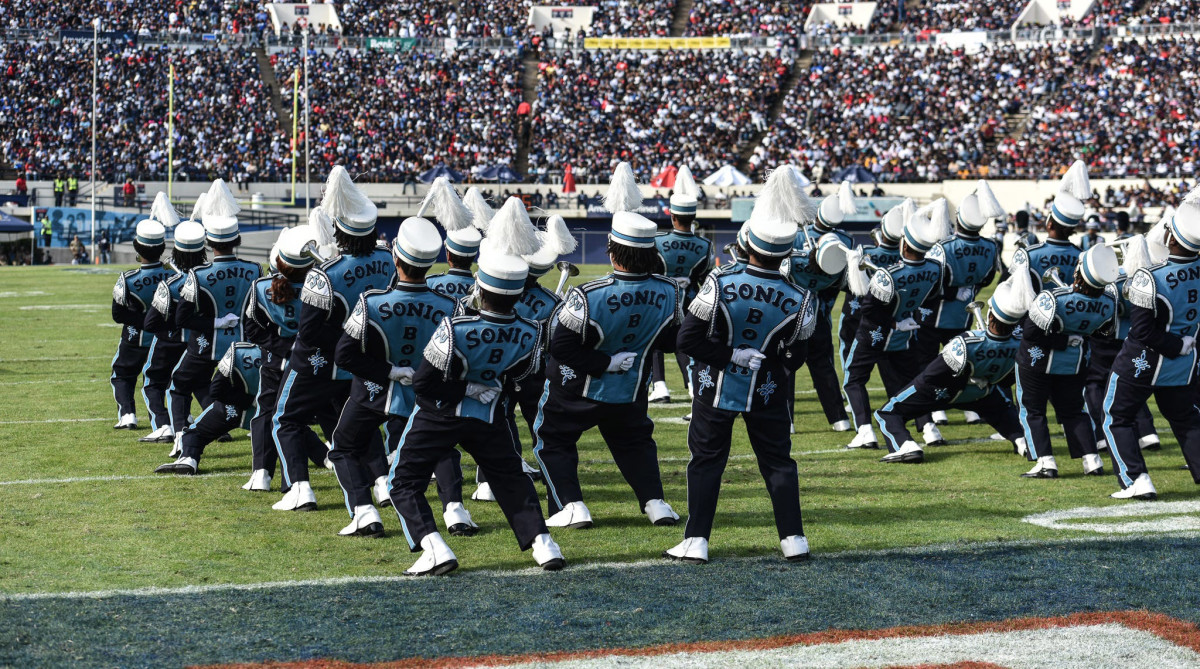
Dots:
pixel 783 199
pixel 1156 238
pixel 1075 182
pixel 685 183
pixel 1023 293
pixel 481 211
pixel 511 233
pixel 623 191
pixel 938 213
pixel 220 201
pixel 442 203
pixel 163 212
pixel 1136 254
pixel 846 199
pixel 989 206
pixel 322 232
pixel 198 208
pixel 896 218
pixel 556 240
pixel 857 278
pixel 345 201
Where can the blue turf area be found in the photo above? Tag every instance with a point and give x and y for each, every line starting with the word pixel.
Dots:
pixel 585 608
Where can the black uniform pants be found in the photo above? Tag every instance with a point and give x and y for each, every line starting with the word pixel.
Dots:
pixel 357 453
pixel 126 365
pixel 1121 404
pixel 710 433
pixel 427 440
pixel 303 400
pixel 190 378
pixel 448 471
pixel 156 379
pixel 1093 394
pixel 897 369
pixel 658 368
pixel 217 419
pixel 819 361
pixel 626 428
pixel 1065 391
pixel 921 398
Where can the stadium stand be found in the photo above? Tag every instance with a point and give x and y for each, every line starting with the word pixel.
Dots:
pixel 396 18
pixel 747 17
pixel 198 16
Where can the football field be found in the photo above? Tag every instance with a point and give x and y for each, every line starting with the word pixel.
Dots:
pixel 104 563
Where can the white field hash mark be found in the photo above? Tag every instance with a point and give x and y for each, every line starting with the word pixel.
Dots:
pixel 1168 517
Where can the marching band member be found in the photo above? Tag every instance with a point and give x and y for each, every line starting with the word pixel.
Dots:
pixel 1159 357
pixel 1066 213
pixel 600 342
pixel 461 388
pixel 885 252
pixel 462 244
pixel 746 332
pixel 314 384
pixel 1050 364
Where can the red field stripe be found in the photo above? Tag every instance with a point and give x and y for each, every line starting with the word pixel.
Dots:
pixel 1178 632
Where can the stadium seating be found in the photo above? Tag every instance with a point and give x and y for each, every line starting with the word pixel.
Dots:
pixel 199 16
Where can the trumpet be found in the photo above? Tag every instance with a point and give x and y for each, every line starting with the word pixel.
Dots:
pixel 1053 276
pixel 567 270
pixel 867 266
pixel 976 309
pixel 311 250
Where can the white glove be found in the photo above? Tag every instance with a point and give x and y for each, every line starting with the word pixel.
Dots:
pixel 1189 345
pixel 621 362
pixel 966 294
pixel 402 375
pixel 1074 341
pixel 907 325
pixel 225 322
pixel 481 393
pixel 683 282
pixel 979 383
pixel 748 357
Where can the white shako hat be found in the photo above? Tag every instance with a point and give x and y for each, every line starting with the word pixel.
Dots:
pixel 500 273
pixel 556 240
pixel 292 244
pixel 927 226
pixel 344 202
pixel 684 201
pixel 892 225
pixel 189 236
pixel 835 208
pixel 831 254
pixel 1099 266
pixel 979 207
pixel 1008 304
pixel 150 233
pixel 220 213
pixel 1073 190
pixel 1185 223
pixel 780 208
pixel 463 242
pixel 417 242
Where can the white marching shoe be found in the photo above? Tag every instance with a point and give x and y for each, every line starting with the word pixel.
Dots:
pixel 1102 445
pixel 176 446
pixel 909 452
pixel 163 435
pixel 299 498
pixel 1021 447
pixel 127 421
pixel 865 438
pixel 932 435
pixel 693 550
pixel 458 520
pixel 841 426
pixel 328 464
pixel 184 466
pixel 483 493
pixel 1044 468
pixel 436 558
pixel 972 418
pixel 1149 442
pixel 940 418
pixel 795 547
pixel 659 393
pixel 1093 465
pixel 1142 488
pixel 996 436
pixel 574 515
pixel 547 554
pixel 260 481
pixel 660 513
pixel 366 523
pixel 380 492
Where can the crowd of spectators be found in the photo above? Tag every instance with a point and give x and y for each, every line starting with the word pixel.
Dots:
pixel 699 108
pixel 747 17
pixel 1166 11
pixel 948 15
pixel 390 115
pixel 224 123
pixel 177 16
pixel 397 18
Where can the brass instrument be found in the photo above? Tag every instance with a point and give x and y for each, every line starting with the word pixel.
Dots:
pixel 568 271
pixel 976 309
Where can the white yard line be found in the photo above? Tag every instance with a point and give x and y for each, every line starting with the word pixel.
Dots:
pixel 53 420
pixel 90 479
pixel 58 359
pixel 47 383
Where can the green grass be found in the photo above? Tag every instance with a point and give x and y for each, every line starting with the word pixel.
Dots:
pixel 170 531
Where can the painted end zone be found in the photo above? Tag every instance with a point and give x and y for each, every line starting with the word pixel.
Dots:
pixel 1082 640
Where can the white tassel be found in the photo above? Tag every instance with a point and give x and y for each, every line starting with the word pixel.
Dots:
pixel 783 199
pixel 938 213
pixel 322 232
pixel 198 208
pixel 623 191
pixel 1075 182
pixel 989 205
pixel 163 212
pixel 1137 254
pixel 220 200
pixel 1156 238
pixel 342 198
pixel 846 199
pixel 685 183
pixel 443 204
pixel 511 231
pixel 855 277
pixel 558 234
pixel 481 211
pixel 1021 285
